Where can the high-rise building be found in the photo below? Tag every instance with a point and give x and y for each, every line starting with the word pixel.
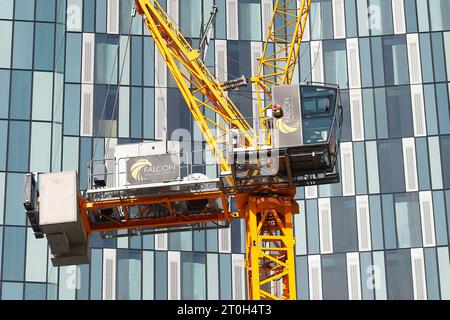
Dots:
pixel 78 77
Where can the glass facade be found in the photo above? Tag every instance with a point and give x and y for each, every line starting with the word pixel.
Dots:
pixel 73 84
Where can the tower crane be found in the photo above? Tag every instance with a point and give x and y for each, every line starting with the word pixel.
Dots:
pixel 147 189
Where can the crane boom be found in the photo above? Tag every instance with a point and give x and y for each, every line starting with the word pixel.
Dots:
pixel 280 51
pixel 194 79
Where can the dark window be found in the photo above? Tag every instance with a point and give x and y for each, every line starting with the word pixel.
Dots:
pixel 334 277
pixel 343 217
pixel 398 275
pixel 390 158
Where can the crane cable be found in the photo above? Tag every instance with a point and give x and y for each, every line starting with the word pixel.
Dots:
pixel 109 88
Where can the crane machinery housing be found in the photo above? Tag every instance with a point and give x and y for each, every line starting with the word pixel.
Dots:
pixel 154 187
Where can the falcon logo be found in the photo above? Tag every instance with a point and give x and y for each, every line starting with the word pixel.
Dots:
pixel 289 122
pixel 138 169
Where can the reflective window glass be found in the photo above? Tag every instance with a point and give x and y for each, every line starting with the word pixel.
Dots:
pixel 225 276
pixel 398 275
pixel 399 112
pixel 72 109
pixel 105 110
pixel 19 142
pixel 445 155
pixel 345 234
pixel 42 93
pixel 191 17
pixel 23 45
pixel 106 71
pixel 4 93
pixel 407 214
pixel 44 46
pixel 35 291
pixel 20 95
pixel 73 57
pixel 12 291
pixel 14 253
pixel 443 108
pixel 411 15
pixel 334 277
pixel 350 18
pixel 390 158
pixel 6 9
pixel 380 17
pixel 395 60
pixel 5 43
pixel 24 9
pixel 322 24
pixel 249 20
pixel 161 279
pixel 439 17
pixel 45 10
pixel 3 143
pixel 40 147
pixel 193 275
pixel 335 61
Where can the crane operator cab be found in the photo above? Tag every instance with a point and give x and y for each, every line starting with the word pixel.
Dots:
pixel 305 134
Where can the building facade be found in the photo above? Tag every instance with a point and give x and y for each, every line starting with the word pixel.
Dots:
pixel 78 77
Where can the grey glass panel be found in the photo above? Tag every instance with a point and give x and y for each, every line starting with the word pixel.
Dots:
pixel 411 15
pixel 301 268
pixel 381 113
pixel 136 58
pixel 399 114
pixel 440 20
pixel 225 276
pixel 100 16
pixel 445 155
pixel 193 276
pixel 443 108
pixel 73 57
pixel 250 20
pixel 148 241
pixel 1 233
pixel 323 24
pixel 180 241
pixel 191 17
pixel 334 277
pixel 438 55
pixel 105 110
pixel 23 45
pixel 350 18
pixel 220 28
pixel 346 134
pixel 161 279
pixel 45 10
pixel 312 226
pixel 407 214
pixel 235 236
pixel 96 274
pixel 426 58
pixel 6 43
pixel 365 62
pixel 390 235
pixel 363 19
pixel 369 114
pixel 106 59
pixel 83 282
pixel 44 48
pixel 85 157
pixel 128 274
pixel 380 17
pixel 432 277
pixel 6 9
pixel 367 279
pixel 149 64
pixel 376 222
pixel 3 143
pixel 343 217
pixel 398 275
pixel 211 241
pixel 72 109
pixel 395 60
pixel 430 109
pixel 422 10
pixel 305 62
pixel 335 61
pixel 136 112
pixel 20 95
pixel 423 168
pixel 135 242
pixel 12 291
pixel 89 15
pixel 24 10
pixel 178 117
pixel 18 146
pixel 359 154
pixel 377 61
pixel 390 158
pixel 14 253
pixel 4 93
pixel 439 218
pixel 35 291
pixel 98 242
pixel 149 113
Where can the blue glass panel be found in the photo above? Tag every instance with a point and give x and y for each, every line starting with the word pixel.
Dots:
pixel 3 143
pixel 250 20
pixel 12 291
pixel 149 113
pixel 220 28
pixel 432 276
pixel 359 154
pixel 430 109
pixel 345 234
pixel 443 108
pixel 399 112
pixel 380 17
pixel 411 15
pixel 193 276
pixel 4 93
pixel 395 60
pixel 35 291
pixel 390 239
pixel 161 279
pixel 23 45
pixel 225 276
pixel 96 274
pixel 350 18
pixel 14 253
pixel 334 277
pixel 72 109
pixel 24 10
pixel 367 282
pixel 390 158
pixel 83 282
pixel 20 95
pixel 136 58
pixel 426 58
pixel 335 57
pixel 381 113
pixel 445 154
pixel 377 61
pixel 365 62
pixel 73 57
pixel 439 218
pixel 369 115
pixel 129 274
pixel 45 10
pixel 312 226
pixel 89 15
pixel 85 157
pixel 398 275
pixel 14 208
pixel 407 218
pixel 136 112
pixel 438 55
pixel 439 17
pixel 6 9
pixel 18 147
pixel 376 222
pixel 423 168
pixel 100 17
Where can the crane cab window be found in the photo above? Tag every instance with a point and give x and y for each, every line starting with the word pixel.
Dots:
pixel 318 106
